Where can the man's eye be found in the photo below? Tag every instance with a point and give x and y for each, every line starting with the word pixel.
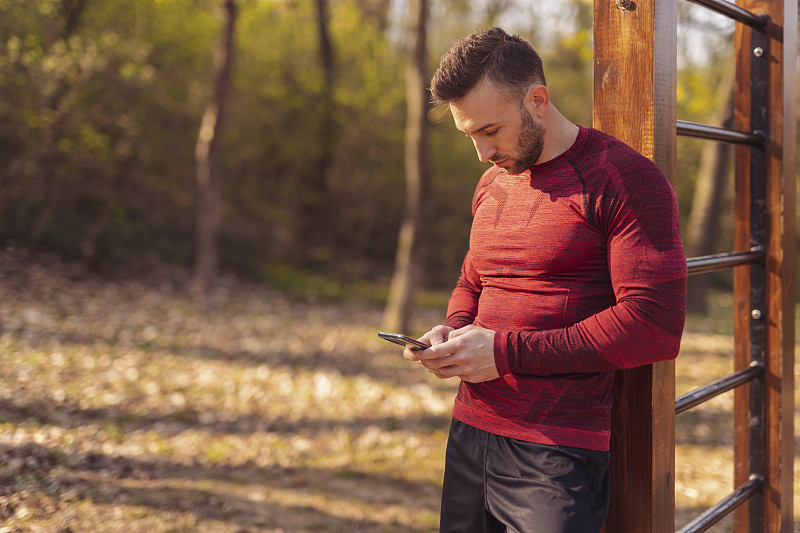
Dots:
pixel 489 133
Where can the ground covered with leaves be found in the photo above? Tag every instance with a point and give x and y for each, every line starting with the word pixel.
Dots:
pixel 124 407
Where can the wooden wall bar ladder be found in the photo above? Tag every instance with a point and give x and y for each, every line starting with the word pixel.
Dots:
pixel 635 75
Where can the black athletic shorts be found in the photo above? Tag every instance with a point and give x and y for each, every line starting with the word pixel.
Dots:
pixel 497 484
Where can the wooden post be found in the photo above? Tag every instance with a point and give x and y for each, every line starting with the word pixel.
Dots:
pixel 635 72
pixel 780 262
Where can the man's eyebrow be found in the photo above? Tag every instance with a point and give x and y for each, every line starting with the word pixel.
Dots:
pixel 478 130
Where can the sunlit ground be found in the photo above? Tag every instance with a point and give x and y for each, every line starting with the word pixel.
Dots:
pixel 123 408
pixel 704 435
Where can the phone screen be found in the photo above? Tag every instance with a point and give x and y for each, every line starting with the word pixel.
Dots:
pixel 403 340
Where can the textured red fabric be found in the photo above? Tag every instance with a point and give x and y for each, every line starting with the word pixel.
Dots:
pixel 579 267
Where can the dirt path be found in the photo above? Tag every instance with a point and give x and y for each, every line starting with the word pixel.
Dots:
pixel 122 408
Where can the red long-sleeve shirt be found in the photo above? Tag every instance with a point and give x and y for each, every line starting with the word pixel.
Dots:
pixel 578 266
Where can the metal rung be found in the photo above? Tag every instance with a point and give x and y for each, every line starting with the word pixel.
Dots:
pixel 704 131
pixel 715 388
pixel 735 12
pixel 724 507
pixel 713 263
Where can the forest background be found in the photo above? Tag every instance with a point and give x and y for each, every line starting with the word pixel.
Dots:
pixel 101 103
pixel 125 406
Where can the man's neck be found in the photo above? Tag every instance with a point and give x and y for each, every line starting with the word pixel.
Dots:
pixel 560 136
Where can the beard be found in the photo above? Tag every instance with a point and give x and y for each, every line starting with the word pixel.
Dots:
pixel 529 145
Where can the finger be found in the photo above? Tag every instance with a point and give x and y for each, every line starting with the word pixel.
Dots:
pixel 436 351
pixel 428 337
pixel 410 355
pixel 444 373
pixel 461 331
pixel 438 335
pixel 436 363
pixel 431 364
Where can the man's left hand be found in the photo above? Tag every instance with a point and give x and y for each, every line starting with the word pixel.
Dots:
pixel 468 353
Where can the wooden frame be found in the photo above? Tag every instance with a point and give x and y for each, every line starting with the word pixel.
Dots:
pixel 634 100
pixel 780 265
pixel 635 82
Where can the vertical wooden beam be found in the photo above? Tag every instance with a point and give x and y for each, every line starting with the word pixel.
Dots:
pixel 635 72
pixel 741 276
pixel 780 261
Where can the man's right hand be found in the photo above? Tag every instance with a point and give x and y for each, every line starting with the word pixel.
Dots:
pixel 437 335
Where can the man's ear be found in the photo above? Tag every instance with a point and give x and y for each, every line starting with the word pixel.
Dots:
pixel 537 100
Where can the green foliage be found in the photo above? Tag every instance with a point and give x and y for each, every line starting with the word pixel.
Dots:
pixel 99 109
pixel 83 171
pixel 311 286
pixel 568 66
pixel 698 97
pixel 100 103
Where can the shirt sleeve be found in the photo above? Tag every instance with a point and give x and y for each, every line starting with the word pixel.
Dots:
pixel 647 266
pixel 462 307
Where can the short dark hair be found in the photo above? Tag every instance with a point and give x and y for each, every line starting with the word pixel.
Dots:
pixel 506 60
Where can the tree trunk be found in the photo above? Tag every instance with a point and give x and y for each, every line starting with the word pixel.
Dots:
pixel 703 229
pixel 208 189
pixel 410 246
pixel 377 10
pixel 315 210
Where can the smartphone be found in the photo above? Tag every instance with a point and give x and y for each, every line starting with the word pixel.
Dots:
pixel 403 340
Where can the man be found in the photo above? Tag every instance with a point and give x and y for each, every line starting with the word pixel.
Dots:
pixel 575 269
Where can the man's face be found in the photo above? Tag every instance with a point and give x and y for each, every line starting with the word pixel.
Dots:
pixel 501 128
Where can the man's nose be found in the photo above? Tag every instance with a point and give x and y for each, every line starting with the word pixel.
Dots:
pixel 485 150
